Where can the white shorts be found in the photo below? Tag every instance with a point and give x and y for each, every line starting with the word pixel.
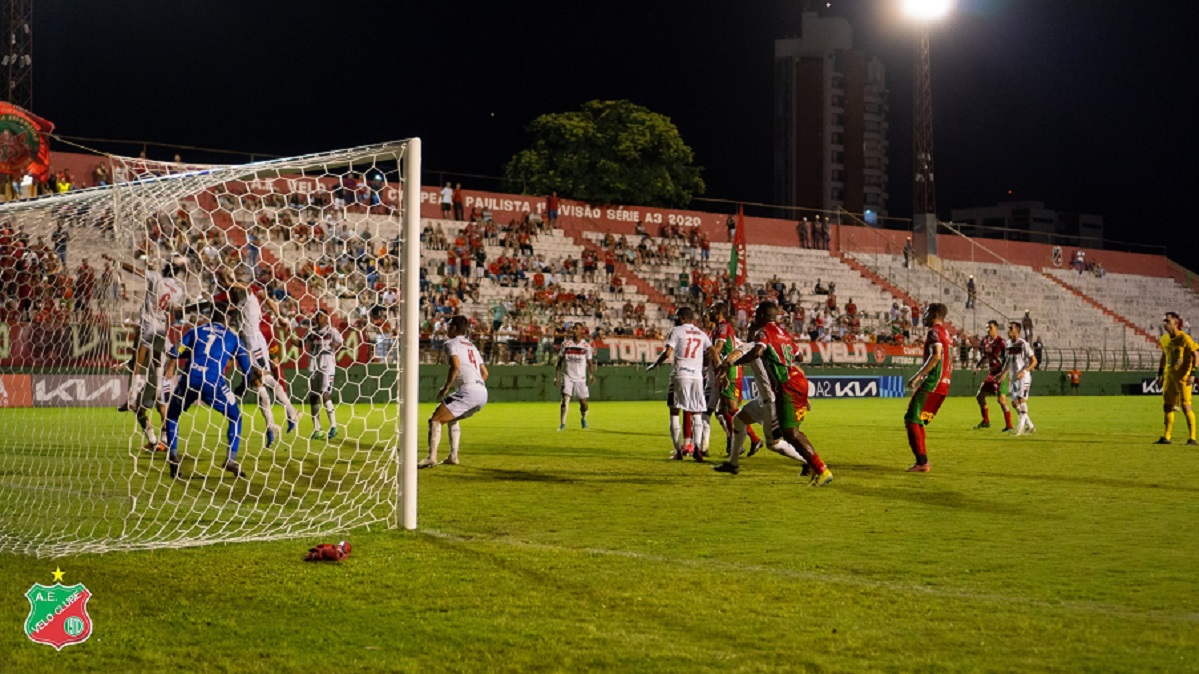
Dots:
pixel 712 393
pixel 320 382
pixel 689 394
pixel 760 411
pixel 155 341
pixel 575 388
pixel 256 347
pixel 166 388
pixel 1019 388
pixel 464 402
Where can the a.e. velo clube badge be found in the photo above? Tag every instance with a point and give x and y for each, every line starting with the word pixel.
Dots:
pixel 58 613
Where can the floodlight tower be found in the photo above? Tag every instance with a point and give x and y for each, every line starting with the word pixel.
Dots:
pixel 16 54
pixel 924 187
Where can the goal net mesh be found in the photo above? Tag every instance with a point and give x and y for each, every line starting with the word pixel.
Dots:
pixel 319 234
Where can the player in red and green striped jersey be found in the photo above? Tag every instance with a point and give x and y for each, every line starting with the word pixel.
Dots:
pixel 778 350
pixel 931 384
pixel 724 338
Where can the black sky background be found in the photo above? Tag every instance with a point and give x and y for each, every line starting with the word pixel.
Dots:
pixel 1084 105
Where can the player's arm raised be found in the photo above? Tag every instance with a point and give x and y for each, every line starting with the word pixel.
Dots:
pixel 933 359
pixel 124 265
pixel 749 356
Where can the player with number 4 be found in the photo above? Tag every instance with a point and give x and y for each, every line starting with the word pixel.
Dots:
pixel 468 378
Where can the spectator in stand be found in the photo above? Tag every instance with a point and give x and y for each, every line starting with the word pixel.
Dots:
pixel 802 230
pixel 100 176
pixel 1079 264
pixel 851 309
pixel 85 287
pixel 459 203
pixel 908 253
pixel 731 225
pixel 447 201
pixel 1026 324
pixel 616 285
pixel 59 238
pixel 970 292
pixel 551 209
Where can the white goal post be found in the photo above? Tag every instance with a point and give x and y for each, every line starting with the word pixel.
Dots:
pixel 324 437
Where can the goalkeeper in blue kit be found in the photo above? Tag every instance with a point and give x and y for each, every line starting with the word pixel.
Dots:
pixel 204 354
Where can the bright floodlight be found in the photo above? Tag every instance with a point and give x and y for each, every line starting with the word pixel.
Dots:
pixel 926 10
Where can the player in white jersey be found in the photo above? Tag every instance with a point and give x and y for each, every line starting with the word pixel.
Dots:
pixel 249 328
pixel 688 345
pixel 575 369
pixel 162 379
pixel 760 410
pixel 1020 363
pixel 164 295
pixel 323 341
pixel 468 377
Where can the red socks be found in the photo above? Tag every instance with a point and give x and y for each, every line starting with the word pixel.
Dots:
pixel 986 415
pixel 687 426
pixel 916 442
pixel 1007 418
pixel 753 436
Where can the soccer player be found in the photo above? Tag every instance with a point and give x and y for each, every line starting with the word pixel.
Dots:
pixel 207 350
pixel 724 339
pixel 249 328
pixel 777 348
pixel 323 341
pixel 1020 361
pixel 164 294
pixel 166 385
pixel 931 383
pixel 687 345
pixel 468 378
pixel 1175 372
pixel 760 410
pixel 575 369
pixel 995 357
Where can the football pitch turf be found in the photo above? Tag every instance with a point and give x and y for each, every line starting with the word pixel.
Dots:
pixel 1073 549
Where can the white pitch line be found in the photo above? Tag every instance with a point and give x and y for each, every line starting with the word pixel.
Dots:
pixel 716 565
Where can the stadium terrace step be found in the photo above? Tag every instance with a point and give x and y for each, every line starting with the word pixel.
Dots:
pixel 631 277
pixel 877 279
pixel 1108 312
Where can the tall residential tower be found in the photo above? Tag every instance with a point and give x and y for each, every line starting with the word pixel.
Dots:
pixel 830 121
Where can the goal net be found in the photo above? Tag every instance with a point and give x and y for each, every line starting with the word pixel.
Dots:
pixel 128 296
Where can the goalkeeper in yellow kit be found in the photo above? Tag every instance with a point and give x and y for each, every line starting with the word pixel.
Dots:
pixel 1176 374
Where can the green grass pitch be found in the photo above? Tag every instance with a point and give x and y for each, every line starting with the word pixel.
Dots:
pixel 1074 549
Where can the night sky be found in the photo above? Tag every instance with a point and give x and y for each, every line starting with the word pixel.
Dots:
pixel 1080 104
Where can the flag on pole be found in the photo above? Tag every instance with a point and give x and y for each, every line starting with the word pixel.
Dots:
pixel 24 142
pixel 738 254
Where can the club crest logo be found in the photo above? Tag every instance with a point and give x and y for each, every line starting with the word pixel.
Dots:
pixel 19 143
pixel 58 613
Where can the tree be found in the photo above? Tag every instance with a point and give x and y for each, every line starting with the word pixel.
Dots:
pixel 610 152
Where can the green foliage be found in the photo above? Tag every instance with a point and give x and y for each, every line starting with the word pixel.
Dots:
pixel 1069 550
pixel 610 152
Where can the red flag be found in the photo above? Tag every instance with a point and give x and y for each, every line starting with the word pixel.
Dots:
pixel 737 257
pixel 24 142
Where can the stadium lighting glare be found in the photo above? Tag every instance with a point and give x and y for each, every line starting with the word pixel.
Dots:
pixel 926 10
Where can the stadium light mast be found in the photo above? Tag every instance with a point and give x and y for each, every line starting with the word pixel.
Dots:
pixel 924 188
pixel 17 52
